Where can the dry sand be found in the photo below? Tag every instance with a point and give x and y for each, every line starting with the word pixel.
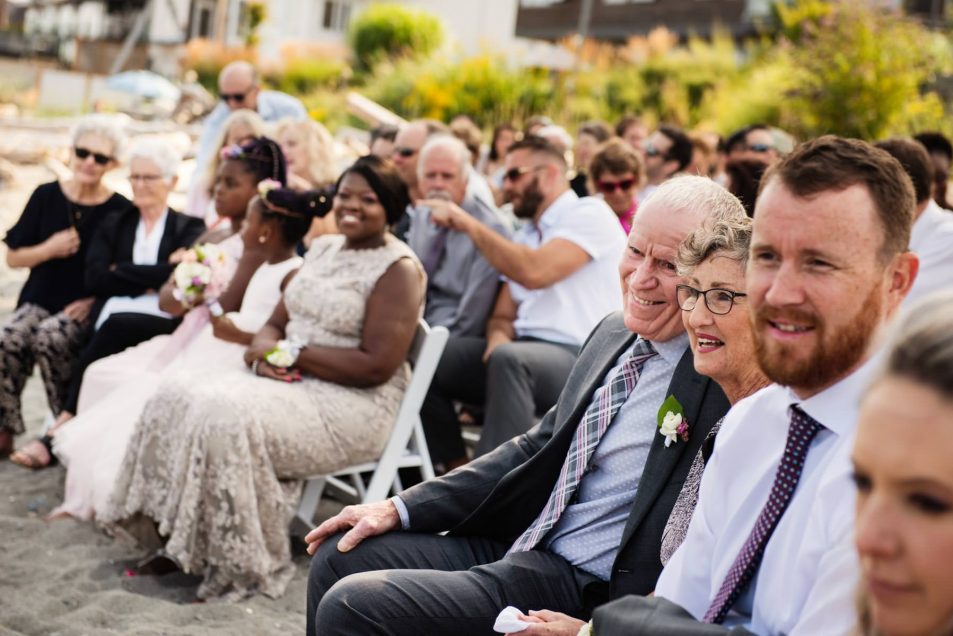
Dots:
pixel 66 577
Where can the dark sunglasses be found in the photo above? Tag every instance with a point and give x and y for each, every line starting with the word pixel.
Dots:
pixel 233 97
pixel 760 148
pixel 515 173
pixel 719 301
pixel 405 152
pixel 83 153
pixel 608 187
pixel 652 151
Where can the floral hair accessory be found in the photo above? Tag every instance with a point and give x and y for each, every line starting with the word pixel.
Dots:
pixel 672 424
pixel 267 185
pixel 231 152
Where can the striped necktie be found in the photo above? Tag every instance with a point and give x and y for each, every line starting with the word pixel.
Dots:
pixel 606 402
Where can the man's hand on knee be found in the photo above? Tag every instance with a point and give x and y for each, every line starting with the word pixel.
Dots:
pixel 366 520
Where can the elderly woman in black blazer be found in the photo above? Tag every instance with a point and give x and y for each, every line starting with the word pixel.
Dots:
pixel 130 256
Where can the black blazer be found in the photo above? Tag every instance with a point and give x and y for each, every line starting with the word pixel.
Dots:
pixel 112 246
pixel 500 494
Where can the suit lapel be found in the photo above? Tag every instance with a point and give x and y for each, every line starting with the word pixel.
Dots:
pixel 689 388
pixel 169 233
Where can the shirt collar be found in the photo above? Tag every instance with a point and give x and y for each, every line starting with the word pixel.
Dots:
pixel 549 216
pixel 672 349
pixel 837 407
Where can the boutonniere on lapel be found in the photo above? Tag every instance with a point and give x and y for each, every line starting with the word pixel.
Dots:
pixel 672 424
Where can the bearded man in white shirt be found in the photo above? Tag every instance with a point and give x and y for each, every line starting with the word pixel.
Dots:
pixel 769 549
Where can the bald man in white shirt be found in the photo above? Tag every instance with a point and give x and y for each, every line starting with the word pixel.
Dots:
pixel 769 549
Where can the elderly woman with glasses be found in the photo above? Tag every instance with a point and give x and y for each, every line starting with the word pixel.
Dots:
pixel 712 259
pixel 131 254
pixel 51 239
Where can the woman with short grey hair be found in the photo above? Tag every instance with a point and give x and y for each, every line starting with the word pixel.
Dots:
pixel 130 256
pixel 712 261
pixel 50 239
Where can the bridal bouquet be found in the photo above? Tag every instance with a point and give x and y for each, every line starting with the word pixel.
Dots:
pixel 202 275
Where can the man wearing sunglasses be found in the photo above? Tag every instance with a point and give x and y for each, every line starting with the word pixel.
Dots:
pixel 665 153
pixel 753 143
pixel 238 87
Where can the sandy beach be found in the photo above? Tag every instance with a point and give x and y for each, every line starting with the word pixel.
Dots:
pixel 65 577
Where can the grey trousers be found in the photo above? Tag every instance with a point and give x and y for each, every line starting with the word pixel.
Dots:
pixel 521 380
pixel 406 583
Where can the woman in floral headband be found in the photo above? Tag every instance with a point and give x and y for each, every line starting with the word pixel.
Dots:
pixel 217 466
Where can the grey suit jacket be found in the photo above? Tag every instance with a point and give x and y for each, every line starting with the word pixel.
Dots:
pixel 498 495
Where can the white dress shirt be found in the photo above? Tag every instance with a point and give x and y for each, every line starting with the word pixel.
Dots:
pixel 145 251
pixel 566 311
pixel 932 240
pixel 807 580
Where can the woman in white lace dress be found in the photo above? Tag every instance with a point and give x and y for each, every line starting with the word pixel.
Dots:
pixel 216 459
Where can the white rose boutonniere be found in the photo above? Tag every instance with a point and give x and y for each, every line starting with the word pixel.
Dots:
pixel 672 424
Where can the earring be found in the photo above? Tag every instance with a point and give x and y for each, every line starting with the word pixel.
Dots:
pixel 262 239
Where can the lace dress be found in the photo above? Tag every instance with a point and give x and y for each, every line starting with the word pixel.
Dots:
pixel 216 459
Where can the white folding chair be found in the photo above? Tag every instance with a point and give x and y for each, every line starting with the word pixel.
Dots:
pixel 406 448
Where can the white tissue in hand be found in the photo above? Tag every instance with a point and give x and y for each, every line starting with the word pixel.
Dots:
pixel 508 621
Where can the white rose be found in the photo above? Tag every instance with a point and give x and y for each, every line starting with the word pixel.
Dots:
pixel 281 358
pixel 669 427
pixel 184 272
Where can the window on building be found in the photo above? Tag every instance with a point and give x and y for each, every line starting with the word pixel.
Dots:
pixel 337 15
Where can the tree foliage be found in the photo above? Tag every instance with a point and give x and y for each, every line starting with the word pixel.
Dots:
pixel 387 31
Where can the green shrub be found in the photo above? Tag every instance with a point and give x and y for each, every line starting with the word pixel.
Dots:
pixel 301 75
pixel 385 31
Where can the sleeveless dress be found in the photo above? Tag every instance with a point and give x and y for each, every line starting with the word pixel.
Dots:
pixel 216 458
pixel 94 443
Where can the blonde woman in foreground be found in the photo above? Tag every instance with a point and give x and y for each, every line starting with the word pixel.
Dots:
pixel 904 476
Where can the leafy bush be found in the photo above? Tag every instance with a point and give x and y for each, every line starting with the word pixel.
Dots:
pixel 385 31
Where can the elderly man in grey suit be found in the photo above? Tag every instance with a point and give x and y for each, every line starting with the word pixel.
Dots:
pixel 566 516
pixel 461 284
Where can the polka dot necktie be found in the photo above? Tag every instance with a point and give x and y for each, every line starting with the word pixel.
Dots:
pixel 801 433
pixel 606 402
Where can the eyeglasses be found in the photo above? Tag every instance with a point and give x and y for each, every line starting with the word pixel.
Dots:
pixel 608 187
pixel 651 151
pixel 515 173
pixel 405 152
pixel 145 178
pixel 83 153
pixel 235 97
pixel 760 148
pixel 718 301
